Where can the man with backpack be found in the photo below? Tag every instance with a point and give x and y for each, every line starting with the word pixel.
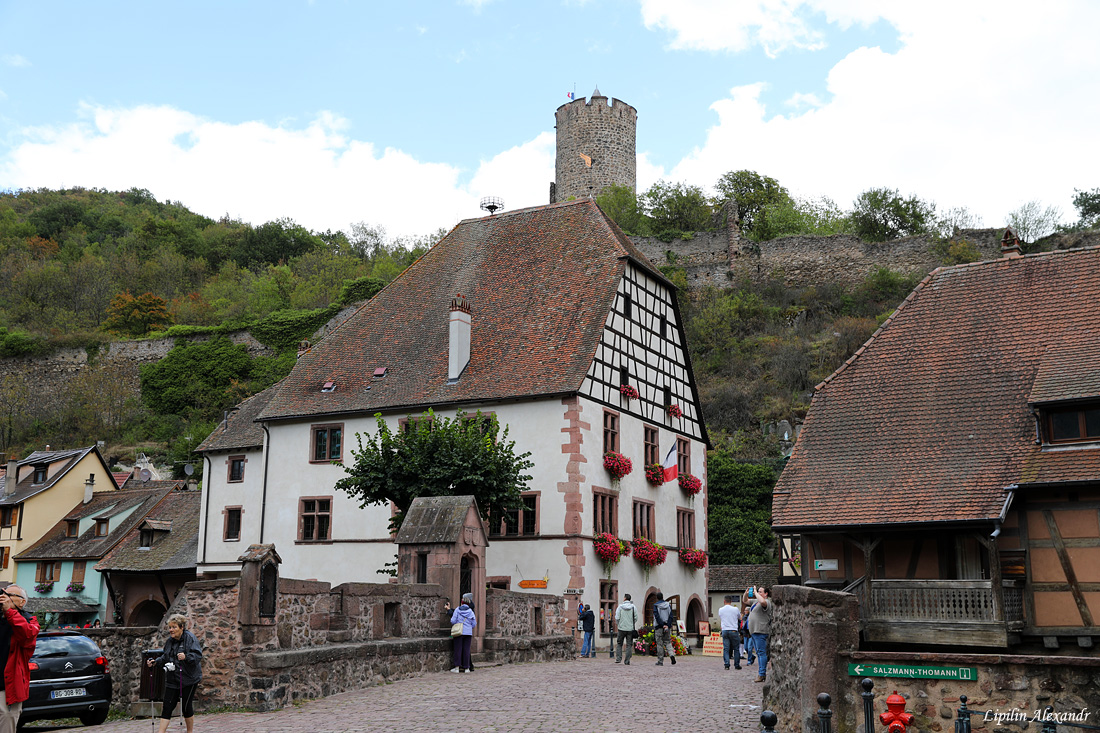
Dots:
pixel 662 629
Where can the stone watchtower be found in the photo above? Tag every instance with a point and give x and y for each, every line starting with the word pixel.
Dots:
pixel 595 147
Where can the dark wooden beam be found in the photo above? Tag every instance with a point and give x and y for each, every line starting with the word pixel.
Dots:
pixel 1067 568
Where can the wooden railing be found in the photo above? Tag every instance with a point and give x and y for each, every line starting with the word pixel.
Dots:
pixel 931 600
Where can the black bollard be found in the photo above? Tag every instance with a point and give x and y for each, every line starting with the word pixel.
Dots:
pixel 768 719
pixel 824 714
pixel 962 722
pixel 868 696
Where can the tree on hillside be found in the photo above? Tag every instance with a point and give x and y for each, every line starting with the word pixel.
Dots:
pixel 135 317
pixel 882 214
pixel 621 204
pixel 753 194
pixel 1087 204
pixel 676 207
pixel 196 380
pixel 739 499
pixel 1032 221
pixel 438 456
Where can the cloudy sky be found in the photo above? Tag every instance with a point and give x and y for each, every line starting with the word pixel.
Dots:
pixel 403 115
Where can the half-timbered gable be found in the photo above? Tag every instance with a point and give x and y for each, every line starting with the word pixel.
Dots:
pixel 949 472
pixel 534 316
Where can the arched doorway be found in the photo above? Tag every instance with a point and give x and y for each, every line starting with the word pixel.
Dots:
pixel 695 614
pixel 148 613
pixel 650 602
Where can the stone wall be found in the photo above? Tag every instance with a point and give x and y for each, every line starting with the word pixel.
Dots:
pixel 325 640
pixel 815 636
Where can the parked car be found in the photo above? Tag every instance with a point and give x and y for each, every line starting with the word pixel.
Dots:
pixel 69 679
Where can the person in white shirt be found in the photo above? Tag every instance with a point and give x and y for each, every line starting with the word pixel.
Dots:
pixel 730 616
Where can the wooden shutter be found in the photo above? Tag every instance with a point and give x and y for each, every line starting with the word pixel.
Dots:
pixel 78 571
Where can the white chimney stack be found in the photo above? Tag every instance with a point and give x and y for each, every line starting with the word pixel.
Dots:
pixel 10 478
pixel 459 353
pixel 89 488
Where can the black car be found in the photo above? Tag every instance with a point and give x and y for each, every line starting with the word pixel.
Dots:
pixel 69 679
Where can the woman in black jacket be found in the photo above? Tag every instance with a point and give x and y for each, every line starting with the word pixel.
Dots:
pixel 182 660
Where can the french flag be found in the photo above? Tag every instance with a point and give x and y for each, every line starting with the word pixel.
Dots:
pixel 569 95
pixel 670 468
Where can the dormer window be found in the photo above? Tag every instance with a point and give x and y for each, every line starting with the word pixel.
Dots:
pixel 145 537
pixel 1074 424
pixel 328 387
pixel 101 528
pixel 40 473
pixel 72 528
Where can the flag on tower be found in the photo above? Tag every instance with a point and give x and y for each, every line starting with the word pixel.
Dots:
pixel 670 468
pixel 569 95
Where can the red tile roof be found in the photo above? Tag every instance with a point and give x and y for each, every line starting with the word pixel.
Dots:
pixel 539 282
pixel 930 420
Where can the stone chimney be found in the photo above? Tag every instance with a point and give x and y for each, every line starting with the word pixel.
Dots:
pixel 459 352
pixel 89 488
pixel 1010 244
pixel 10 478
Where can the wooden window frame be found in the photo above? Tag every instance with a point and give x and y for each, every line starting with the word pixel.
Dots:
pixel 609 601
pixel 408 424
pixel 72 529
pixel 644 519
pixel 499 528
pixel 651 444
pixel 317 512
pixel 47 571
pixel 628 306
pixel 666 396
pixel 624 375
pixel 229 462
pixel 44 471
pixel 685 527
pixel 683 456
pixel 79 571
pixel 9 515
pixel 145 538
pixel 5 557
pixel 611 424
pixel 605 512
pixel 102 527
pixel 226 512
pixel 1082 436
pixel 326 428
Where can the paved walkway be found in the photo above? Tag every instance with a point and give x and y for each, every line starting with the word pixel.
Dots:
pixel 579 696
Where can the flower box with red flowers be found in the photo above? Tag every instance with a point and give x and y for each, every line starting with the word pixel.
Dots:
pixel 674 411
pixel 617 464
pixel 649 553
pixel 690 484
pixel 655 474
pixel 693 558
pixel 628 392
pixel 610 548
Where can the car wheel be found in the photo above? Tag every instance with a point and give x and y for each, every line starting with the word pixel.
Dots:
pixel 95 717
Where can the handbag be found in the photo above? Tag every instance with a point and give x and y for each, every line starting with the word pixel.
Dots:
pixel 456 629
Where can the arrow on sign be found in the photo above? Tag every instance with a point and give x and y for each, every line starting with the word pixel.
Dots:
pixel 859 669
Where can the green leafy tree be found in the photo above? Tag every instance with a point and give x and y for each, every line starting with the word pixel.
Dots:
pixel 438 456
pixel 754 196
pixel 882 214
pixel 196 379
pixel 1087 204
pixel 1032 221
pixel 675 208
pixel 621 204
pixel 136 316
pixel 739 498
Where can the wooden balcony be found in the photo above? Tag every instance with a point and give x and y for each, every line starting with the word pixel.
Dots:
pixel 942 612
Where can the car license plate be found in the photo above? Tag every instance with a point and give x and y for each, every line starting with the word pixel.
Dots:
pixel 71 692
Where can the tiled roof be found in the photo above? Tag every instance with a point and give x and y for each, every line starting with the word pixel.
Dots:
pixel 930 421
pixel 434 519
pixel 124 509
pixel 26 488
pixel 121 477
pixel 175 544
pixel 1068 371
pixel 736 578
pixel 240 430
pixel 540 283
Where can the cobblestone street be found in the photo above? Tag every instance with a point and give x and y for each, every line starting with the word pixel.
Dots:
pixel 581 695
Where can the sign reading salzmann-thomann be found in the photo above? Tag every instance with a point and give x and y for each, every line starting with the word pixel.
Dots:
pixel 912 672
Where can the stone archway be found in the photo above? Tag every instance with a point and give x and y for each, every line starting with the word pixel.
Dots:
pixel 696 612
pixel 147 613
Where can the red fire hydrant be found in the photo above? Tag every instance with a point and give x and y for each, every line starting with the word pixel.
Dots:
pixel 895 718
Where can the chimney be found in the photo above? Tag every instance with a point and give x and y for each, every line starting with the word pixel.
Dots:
pixel 10 478
pixel 1010 244
pixel 459 353
pixel 89 488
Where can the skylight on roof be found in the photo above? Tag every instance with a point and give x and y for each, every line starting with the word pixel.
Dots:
pixel 328 387
pixel 379 372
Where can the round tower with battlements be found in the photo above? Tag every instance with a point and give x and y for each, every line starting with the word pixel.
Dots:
pixel 595 147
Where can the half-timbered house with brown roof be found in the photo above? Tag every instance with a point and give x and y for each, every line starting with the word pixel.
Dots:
pixel 538 316
pixel 949 472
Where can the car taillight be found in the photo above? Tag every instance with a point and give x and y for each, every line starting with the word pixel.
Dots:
pixel 32 666
pixel 102 661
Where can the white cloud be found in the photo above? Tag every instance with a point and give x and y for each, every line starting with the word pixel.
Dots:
pixel 15 60
pixel 973 110
pixel 721 25
pixel 256 172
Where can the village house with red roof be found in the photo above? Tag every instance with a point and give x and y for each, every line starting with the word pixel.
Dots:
pixel 538 316
pixel 949 472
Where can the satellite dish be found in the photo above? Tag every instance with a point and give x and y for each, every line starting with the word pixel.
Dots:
pixel 188 469
pixel 145 475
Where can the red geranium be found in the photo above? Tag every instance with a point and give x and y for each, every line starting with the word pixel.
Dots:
pixel 655 474
pixel 628 392
pixel 674 411
pixel 649 553
pixel 617 464
pixel 690 484
pixel 695 558
pixel 608 547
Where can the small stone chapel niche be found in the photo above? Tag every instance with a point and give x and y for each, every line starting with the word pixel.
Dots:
pixel 259 585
